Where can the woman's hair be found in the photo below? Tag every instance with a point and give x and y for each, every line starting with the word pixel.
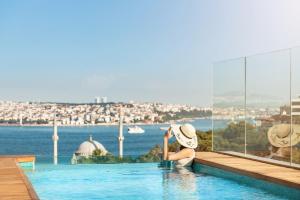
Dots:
pixel 181 147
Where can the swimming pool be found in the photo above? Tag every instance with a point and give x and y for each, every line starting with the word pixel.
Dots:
pixel 134 182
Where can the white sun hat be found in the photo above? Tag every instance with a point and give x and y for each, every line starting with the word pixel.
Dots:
pixel 280 135
pixel 185 135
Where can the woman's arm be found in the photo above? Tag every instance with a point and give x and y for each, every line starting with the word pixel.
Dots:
pixel 184 153
pixel 166 143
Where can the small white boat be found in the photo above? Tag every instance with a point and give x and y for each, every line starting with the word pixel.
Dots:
pixel 135 130
pixel 164 128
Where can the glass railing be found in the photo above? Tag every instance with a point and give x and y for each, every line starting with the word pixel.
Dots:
pixel 259 98
pixel 295 102
pixel 229 105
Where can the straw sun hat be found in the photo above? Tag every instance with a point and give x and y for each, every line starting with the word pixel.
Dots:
pixel 281 135
pixel 185 135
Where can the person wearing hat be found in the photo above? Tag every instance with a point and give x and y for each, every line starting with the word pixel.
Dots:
pixel 187 138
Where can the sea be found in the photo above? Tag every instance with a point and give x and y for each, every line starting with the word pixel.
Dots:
pixel 38 140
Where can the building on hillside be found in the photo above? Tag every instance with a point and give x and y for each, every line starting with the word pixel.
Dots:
pixel 285 110
pixel 103 99
pixel 97 100
pixel 296 107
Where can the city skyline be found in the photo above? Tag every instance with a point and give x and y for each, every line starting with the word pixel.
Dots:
pixel 146 51
pixel 43 114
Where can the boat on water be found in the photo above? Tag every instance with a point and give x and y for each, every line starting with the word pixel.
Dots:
pixel 135 130
pixel 164 128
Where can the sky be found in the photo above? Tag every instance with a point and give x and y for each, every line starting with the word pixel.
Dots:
pixel 150 50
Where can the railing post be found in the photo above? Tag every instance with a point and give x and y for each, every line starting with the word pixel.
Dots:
pixel 245 104
pixel 291 124
pixel 212 112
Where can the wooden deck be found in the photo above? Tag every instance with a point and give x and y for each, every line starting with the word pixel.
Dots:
pixel 260 170
pixel 14 184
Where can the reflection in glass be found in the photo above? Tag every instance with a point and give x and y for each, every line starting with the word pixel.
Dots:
pixel 257 99
pixel 229 104
pixel 295 103
pixel 268 97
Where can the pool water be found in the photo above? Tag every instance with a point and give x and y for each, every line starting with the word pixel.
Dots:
pixel 135 181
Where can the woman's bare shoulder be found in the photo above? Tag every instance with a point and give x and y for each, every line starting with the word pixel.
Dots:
pixel 188 151
pixel 184 153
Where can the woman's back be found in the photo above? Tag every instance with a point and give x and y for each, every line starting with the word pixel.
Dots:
pixel 186 162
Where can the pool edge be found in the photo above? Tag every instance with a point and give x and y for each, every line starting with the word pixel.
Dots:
pixel 16 178
pixel 255 169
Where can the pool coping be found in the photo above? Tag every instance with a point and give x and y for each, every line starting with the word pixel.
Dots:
pixel 261 159
pixel 253 168
pixel 11 179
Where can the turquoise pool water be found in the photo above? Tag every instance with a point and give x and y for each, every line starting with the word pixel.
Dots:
pixel 136 181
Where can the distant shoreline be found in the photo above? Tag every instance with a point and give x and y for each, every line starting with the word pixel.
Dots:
pixel 104 124
pixel 84 125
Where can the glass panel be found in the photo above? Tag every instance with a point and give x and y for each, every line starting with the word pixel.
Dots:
pixel 295 137
pixel 268 105
pixel 228 107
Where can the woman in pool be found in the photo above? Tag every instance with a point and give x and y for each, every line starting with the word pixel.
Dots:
pixel 187 138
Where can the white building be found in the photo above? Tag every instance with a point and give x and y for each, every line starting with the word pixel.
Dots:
pixel 87 148
pixel 103 99
pixel 107 119
pixel 296 107
pixel 97 99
